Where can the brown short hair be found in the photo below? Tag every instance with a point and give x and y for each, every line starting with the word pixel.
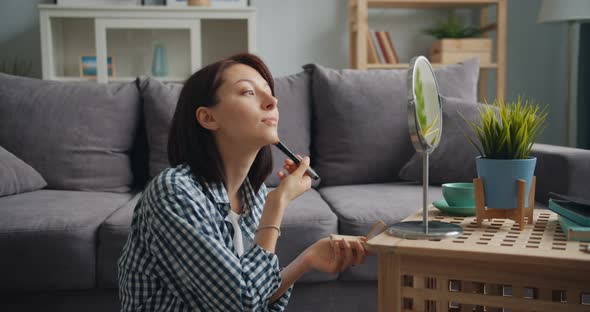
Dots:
pixel 191 143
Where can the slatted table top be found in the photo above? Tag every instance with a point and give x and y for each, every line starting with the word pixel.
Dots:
pixel 498 239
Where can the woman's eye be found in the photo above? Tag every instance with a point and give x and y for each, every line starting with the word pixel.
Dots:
pixel 248 92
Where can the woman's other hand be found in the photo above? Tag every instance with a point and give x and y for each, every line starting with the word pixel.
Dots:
pixel 296 182
pixel 333 256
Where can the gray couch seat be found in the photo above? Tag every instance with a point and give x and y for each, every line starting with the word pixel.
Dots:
pixel 359 207
pixel 307 219
pixel 112 236
pixel 48 238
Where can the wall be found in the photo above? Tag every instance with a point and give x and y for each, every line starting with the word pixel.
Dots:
pixel 583 90
pixel 291 33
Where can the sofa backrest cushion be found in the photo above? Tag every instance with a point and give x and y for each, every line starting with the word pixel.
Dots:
pixel 77 135
pixel 454 158
pixel 360 128
pixel 159 104
pixel 292 92
pixel 16 176
pixel 294 95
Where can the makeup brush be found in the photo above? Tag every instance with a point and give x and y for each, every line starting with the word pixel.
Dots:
pixel 294 158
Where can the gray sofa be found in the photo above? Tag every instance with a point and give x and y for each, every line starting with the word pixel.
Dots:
pixel 81 153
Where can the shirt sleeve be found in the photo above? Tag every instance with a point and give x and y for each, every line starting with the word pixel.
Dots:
pixel 186 240
pixel 281 303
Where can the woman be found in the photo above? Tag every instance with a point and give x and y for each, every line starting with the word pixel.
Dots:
pixel 203 235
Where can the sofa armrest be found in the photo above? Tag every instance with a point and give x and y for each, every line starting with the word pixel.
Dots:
pixel 563 170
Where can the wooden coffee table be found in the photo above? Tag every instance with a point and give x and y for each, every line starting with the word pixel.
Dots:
pixel 487 268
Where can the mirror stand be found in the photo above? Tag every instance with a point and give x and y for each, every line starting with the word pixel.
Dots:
pixel 424 229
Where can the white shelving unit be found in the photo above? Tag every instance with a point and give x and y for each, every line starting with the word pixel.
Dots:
pixel 193 36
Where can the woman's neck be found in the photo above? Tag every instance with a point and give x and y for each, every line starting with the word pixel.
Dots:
pixel 237 161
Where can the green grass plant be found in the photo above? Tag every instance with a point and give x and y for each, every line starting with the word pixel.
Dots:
pixel 507 130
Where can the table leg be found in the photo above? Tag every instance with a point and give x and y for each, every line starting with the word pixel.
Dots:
pixel 389 283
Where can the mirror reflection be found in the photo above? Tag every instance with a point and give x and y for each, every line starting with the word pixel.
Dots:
pixel 427 105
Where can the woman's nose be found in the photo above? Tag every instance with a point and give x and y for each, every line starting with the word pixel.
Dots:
pixel 270 102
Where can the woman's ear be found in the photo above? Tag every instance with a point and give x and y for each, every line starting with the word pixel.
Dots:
pixel 206 118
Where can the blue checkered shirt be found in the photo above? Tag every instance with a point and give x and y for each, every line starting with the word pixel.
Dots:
pixel 179 255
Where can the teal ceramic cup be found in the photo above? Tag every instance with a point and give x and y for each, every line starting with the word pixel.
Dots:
pixel 459 194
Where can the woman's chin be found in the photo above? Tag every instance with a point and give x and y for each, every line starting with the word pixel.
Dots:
pixel 272 139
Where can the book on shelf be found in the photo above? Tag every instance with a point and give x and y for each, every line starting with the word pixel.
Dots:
pixel 391 47
pixel 574 231
pixel 372 55
pixel 380 56
pixel 387 53
pixel 576 212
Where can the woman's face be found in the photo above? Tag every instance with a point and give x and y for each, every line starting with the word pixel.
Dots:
pixel 246 112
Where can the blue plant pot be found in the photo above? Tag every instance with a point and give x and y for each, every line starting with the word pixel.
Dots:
pixel 499 178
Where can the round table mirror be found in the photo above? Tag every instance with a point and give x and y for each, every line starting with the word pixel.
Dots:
pixel 425 119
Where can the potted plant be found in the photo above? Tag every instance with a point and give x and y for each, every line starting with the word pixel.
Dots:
pixel 458 42
pixel 504 139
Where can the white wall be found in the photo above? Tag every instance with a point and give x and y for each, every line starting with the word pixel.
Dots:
pixel 291 33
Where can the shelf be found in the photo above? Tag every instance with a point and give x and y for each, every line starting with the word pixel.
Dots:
pixel 407 65
pixel 429 4
pixel 144 8
pixel 358 22
pixel 163 79
pixel 71 79
pixel 128 34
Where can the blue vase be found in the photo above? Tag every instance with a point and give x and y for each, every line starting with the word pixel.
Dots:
pixel 499 178
pixel 159 61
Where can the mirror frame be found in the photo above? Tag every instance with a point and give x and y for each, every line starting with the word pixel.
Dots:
pixel 416 134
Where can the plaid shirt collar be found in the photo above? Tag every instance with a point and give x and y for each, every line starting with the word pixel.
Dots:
pixel 219 194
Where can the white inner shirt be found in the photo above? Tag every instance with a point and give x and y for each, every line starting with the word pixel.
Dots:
pixel 234 218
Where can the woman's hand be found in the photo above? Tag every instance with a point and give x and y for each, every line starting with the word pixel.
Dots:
pixel 296 182
pixel 330 256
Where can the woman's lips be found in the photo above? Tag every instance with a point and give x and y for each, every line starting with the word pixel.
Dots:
pixel 270 121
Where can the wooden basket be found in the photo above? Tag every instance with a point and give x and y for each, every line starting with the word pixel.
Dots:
pixel 450 51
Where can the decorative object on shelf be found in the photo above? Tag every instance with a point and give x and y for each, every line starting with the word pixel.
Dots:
pixel 88 66
pixel 229 3
pixel 159 61
pixel 17 67
pixel 457 42
pixel 198 2
pixel 505 183
pixel 425 126
pixel 98 2
pixel 176 3
pixel 153 2
pixel 573 12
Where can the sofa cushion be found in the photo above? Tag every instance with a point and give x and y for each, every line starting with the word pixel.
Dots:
pixel 112 236
pixel 361 124
pixel 359 207
pixel 77 135
pixel 454 158
pixel 16 176
pixel 49 238
pixel 306 220
pixel 159 102
pixel 293 93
